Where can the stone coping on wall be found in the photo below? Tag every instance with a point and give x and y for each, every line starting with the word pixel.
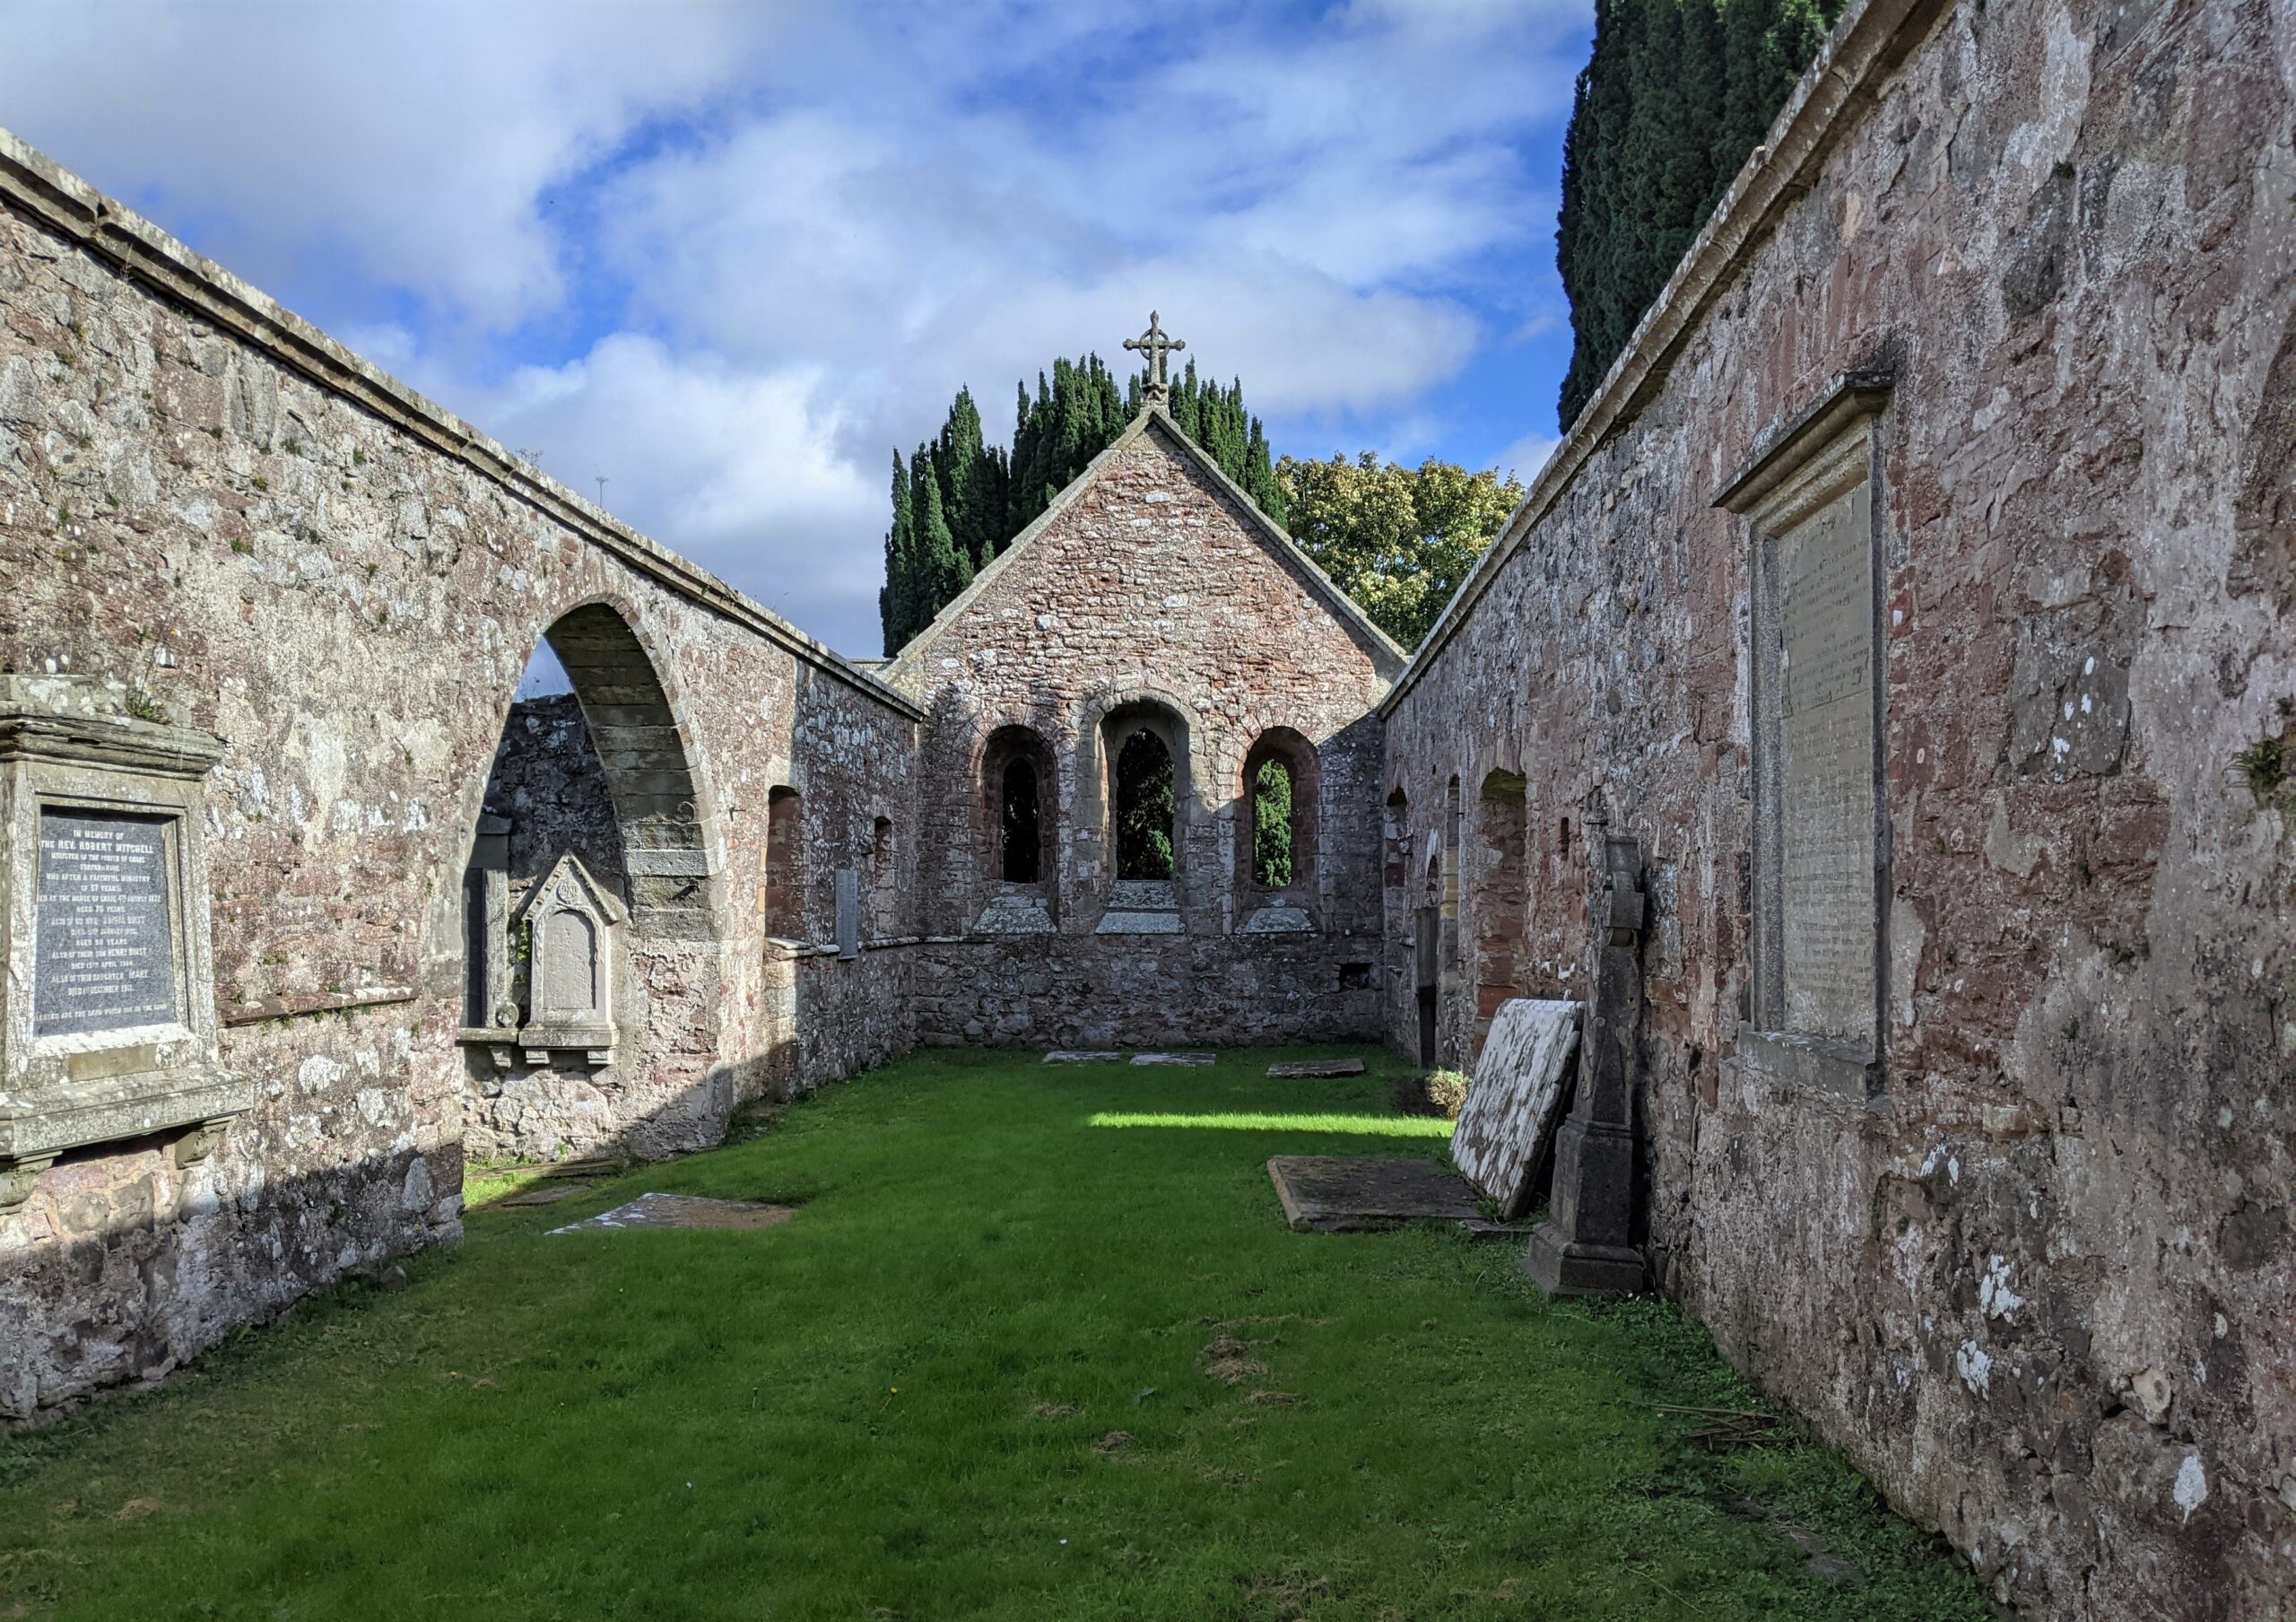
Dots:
pixel 35 185
pixel 1838 89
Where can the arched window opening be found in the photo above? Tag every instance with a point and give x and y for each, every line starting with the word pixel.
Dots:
pixel 1144 807
pixel 785 864
pixel 1277 841
pixel 1272 825
pixel 1500 899
pixel 1021 825
pixel 1017 806
pixel 884 873
pixel 1453 948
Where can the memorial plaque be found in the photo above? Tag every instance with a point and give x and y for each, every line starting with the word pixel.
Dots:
pixel 848 912
pixel 570 968
pixel 105 941
pixel 1829 925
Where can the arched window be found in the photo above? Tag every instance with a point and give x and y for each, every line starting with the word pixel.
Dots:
pixel 1143 806
pixel 1500 899
pixel 884 876
pixel 1277 842
pixel 1020 824
pixel 785 863
pixel 1018 805
pixel 1452 817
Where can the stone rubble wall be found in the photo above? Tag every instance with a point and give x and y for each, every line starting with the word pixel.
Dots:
pixel 210 507
pixel 1150 583
pixel 2042 1293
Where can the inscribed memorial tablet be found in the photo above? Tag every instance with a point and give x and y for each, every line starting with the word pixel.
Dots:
pixel 104 947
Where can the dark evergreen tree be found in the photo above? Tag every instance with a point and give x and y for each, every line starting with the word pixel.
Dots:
pixel 1674 96
pixel 897 603
pixel 963 500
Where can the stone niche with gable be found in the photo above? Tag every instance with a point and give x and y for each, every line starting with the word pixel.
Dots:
pixel 571 922
pixel 108 1021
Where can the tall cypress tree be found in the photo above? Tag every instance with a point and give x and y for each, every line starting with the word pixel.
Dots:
pixel 963 500
pixel 1675 95
pixel 897 603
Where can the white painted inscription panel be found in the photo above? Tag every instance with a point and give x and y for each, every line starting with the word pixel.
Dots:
pixel 1826 739
pixel 104 954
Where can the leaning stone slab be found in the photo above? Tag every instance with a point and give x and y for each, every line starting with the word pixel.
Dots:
pixel 683 1211
pixel 1174 1059
pixel 1084 1056
pixel 1318 1067
pixel 1511 1109
pixel 1367 1193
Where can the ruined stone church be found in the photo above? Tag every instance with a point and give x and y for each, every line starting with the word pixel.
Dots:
pixel 1893 663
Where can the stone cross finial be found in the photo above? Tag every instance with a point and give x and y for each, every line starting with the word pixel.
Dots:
pixel 1155 345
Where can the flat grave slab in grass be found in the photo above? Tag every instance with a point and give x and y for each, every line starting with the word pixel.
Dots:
pixel 1316 1067
pixel 1368 1193
pixel 1084 1056
pixel 683 1211
pixel 1174 1059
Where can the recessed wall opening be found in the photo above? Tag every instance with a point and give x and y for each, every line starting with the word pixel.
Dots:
pixel 785 863
pixel 1020 824
pixel 1277 841
pixel 1018 805
pixel 1500 898
pixel 884 878
pixel 1145 806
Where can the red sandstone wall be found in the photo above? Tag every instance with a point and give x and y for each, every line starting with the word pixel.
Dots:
pixel 2042 1293
pixel 1151 582
pixel 205 505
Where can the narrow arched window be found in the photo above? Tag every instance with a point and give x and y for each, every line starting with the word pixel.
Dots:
pixel 785 864
pixel 1144 807
pixel 1021 825
pixel 1272 824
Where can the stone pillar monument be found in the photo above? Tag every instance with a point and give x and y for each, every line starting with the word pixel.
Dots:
pixel 1583 1248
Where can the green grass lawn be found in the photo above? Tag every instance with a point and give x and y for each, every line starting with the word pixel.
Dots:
pixel 904 1404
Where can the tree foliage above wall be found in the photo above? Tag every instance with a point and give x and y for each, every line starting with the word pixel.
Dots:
pixel 1675 96
pixel 1396 539
pixel 958 500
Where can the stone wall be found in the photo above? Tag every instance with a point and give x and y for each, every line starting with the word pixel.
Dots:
pixel 212 514
pixel 1150 589
pixel 2039 1286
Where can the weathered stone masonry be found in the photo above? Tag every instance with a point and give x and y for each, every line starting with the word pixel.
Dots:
pixel 2040 1283
pixel 212 516
pixel 1152 588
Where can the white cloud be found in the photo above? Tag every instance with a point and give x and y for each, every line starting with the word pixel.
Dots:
pixel 1526 456
pixel 735 468
pixel 731 255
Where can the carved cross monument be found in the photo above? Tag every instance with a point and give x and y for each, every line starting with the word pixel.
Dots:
pixel 1154 346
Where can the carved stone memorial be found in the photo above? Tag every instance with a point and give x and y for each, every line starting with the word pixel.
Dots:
pixel 107 1022
pixel 1819 858
pixel 570 921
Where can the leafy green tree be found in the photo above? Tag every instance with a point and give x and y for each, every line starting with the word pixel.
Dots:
pixel 1144 807
pixel 1272 824
pixel 1398 540
pixel 1675 95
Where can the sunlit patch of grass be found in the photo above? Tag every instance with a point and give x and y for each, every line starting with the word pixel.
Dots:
pixel 1236 1121
pixel 985 1373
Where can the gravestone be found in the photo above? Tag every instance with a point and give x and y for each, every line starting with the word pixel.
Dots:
pixel 1174 1059
pixel 683 1211
pixel 1316 1067
pixel 1510 1116
pixel 1827 902
pixel 571 919
pixel 848 912
pixel 109 1024
pixel 105 956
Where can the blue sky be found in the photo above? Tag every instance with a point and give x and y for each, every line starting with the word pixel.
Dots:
pixel 731 255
